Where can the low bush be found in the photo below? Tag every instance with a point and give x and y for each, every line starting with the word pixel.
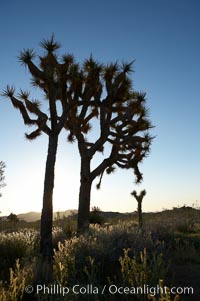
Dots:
pixel 115 253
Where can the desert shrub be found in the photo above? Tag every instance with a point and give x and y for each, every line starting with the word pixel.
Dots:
pixel 187 225
pixel 105 246
pixel 72 258
pixel 68 225
pixel 96 218
pixel 120 254
pixel 185 250
pixel 64 264
pixel 57 236
pixel 16 245
pixel 141 270
pixel 19 278
pixel 12 218
pixel 10 226
pixel 183 226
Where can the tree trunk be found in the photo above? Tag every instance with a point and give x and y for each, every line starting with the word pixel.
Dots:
pixel 46 248
pixel 84 196
pixel 140 214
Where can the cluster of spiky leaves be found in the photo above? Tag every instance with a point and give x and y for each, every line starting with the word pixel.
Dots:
pixel 87 91
pixel 140 196
pixel 108 95
pixel 55 80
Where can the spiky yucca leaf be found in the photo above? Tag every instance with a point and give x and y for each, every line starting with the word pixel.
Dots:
pixel 8 91
pixel 26 56
pixel 33 106
pixel 141 96
pixel 36 103
pixel 71 138
pixel 95 112
pixel 35 82
pixel 74 71
pixel 143 193
pixel 110 70
pixel 86 128
pixel 128 67
pixel 50 45
pixel 148 138
pixel 144 112
pixel 91 65
pixel 134 193
pixel 98 186
pixel 33 135
pixel 139 176
pixel 110 170
pixel 23 94
pixel 68 59
pixel 144 124
pixel 139 197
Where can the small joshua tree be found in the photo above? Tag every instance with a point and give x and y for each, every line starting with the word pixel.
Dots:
pixel 139 199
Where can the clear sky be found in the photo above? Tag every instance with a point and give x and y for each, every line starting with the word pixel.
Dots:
pixel 163 36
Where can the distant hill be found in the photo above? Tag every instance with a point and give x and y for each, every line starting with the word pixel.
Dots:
pixel 35 216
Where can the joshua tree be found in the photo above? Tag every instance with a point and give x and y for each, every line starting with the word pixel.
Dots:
pixel 139 199
pixel 121 127
pixel 57 82
pixel 2 177
pixel 83 93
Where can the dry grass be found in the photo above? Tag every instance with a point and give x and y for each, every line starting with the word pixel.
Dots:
pixel 166 248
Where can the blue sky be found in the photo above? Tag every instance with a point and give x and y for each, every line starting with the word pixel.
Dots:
pixel 163 36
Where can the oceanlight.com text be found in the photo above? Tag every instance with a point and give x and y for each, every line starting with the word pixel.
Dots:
pixel 89 289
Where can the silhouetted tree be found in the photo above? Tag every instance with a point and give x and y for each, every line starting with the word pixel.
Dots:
pixel 122 126
pixel 56 79
pixel 12 218
pixel 2 177
pixel 95 216
pixel 139 199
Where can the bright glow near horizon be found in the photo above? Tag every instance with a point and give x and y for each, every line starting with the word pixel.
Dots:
pixel 166 47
